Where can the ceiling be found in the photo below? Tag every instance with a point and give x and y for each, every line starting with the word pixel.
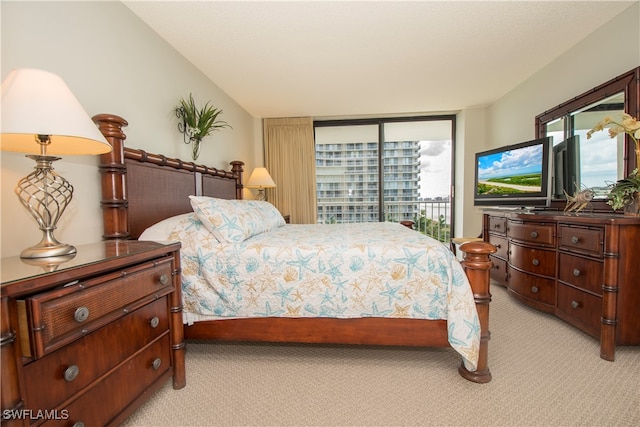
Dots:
pixel 359 58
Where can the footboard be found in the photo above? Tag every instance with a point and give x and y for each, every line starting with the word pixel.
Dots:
pixel 477 266
pixel 368 330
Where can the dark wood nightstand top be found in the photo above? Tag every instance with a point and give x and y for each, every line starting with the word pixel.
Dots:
pixel 20 275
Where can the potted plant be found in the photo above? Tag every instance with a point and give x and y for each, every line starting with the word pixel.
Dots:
pixel 196 123
pixel 625 193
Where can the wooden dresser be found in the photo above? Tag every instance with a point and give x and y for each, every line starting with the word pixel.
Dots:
pixel 86 341
pixel 584 269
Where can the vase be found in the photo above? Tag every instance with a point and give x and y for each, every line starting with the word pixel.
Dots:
pixel 195 148
pixel 633 207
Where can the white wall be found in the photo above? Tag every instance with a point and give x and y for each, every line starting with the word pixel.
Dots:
pixel 608 52
pixel 470 138
pixel 115 64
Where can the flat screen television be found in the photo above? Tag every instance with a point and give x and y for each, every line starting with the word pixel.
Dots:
pixel 566 167
pixel 516 175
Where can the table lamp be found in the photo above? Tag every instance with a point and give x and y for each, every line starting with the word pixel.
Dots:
pixel 260 179
pixel 41 117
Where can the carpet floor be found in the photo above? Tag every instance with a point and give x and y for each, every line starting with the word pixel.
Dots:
pixel 545 373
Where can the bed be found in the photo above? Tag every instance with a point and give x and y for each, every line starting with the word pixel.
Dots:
pixel 142 192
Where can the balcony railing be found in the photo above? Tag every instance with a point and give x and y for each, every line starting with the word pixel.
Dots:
pixel 431 217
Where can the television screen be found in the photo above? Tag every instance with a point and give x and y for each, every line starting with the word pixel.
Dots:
pixel 517 174
pixel 566 167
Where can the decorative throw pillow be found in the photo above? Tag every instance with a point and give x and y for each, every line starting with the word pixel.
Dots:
pixel 234 221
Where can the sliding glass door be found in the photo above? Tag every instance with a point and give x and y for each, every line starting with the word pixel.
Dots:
pixel 386 170
pixel 347 173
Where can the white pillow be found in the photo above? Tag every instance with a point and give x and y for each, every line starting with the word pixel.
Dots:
pixel 234 221
pixel 162 229
pixel 269 214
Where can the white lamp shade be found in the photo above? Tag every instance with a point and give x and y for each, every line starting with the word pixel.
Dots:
pixel 260 178
pixel 37 102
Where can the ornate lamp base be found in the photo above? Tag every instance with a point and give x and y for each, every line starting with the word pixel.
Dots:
pixel 48 247
pixel 49 264
pixel 45 194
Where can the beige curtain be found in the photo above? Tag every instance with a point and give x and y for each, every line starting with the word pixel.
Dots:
pixel 290 158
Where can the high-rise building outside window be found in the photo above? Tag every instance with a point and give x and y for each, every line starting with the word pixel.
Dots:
pixel 386 170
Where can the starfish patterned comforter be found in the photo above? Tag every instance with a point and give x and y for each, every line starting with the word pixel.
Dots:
pixel 336 270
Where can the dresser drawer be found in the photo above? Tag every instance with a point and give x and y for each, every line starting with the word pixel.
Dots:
pixel 63 315
pixel 72 368
pixel 501 246
pixel 586 240
pixel 540 233
pixel 579 308
pixel 499 270
pixel 582 273
pixel 498 225
pixel 534 288
pixel 533 260
pixel 109 396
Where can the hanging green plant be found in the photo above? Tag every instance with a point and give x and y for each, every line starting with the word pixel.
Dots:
pixel 197 123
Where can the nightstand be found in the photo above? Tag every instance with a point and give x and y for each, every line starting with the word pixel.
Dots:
pixel 87 340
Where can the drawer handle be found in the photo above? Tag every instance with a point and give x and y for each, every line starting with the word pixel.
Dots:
pixel 154 322
pixel 81 314
pixel 534 234
pixel 534 289
pixel 536 262
pixel 575 239
pixel 576 272
pixel 575 304
pixel 164 280
pixel 156 364
pixel 498 246
pixel 71 373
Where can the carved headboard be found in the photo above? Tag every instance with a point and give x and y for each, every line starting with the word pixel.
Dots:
pixel 140 189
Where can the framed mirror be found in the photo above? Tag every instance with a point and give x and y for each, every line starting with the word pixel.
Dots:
pixel 599 161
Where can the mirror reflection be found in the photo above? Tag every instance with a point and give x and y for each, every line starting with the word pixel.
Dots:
pixel 581 163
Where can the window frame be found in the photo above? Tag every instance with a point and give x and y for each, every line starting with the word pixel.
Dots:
pixel 380 121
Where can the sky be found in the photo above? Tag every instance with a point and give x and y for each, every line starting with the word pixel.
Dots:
pixel 600 165
pixel 435 169
pixel 511 162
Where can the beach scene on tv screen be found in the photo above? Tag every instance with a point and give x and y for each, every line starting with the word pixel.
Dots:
pixel 510 172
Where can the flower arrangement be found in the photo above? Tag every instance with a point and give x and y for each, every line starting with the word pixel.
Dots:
pixel 625 192
pixel 196 123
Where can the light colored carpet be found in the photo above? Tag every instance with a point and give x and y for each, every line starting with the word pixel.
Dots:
pixel 545 373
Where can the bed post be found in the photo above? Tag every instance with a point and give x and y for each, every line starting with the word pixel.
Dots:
pixel 113 172
pixel 237 169
pixel 477 265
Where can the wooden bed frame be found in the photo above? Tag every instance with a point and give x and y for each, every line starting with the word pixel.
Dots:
pixel 139 189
